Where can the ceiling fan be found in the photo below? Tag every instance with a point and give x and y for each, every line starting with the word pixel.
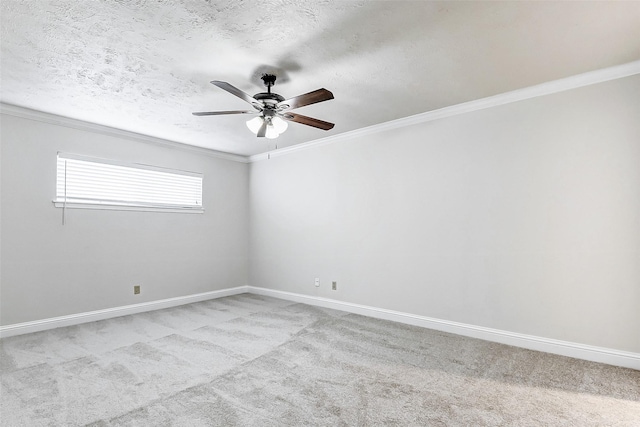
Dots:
pixel 273 110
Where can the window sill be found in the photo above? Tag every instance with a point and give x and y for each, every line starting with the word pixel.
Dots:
pixel 116 207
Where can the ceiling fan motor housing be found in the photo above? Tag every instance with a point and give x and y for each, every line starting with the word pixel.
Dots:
pixel 269 97
pixel 269 103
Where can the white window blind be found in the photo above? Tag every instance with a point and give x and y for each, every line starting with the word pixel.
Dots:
pixel 97 183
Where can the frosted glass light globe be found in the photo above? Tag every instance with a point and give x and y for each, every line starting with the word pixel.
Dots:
pixel 255 124
pixel 279 124
pixel 272 133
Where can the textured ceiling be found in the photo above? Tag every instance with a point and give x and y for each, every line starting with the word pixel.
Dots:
pixel 144 66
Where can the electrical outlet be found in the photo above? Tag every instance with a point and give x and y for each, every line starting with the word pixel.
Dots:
pixel 334 286
pixel 136 289
pixel 317 282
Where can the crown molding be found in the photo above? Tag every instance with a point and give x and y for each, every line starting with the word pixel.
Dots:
pixel 40 116
pixel 548 88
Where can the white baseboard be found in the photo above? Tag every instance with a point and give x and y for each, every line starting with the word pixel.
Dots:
pixel 548 345
pixel 92 316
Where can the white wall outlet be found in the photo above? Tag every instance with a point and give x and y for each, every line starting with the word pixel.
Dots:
pixel 136 289
pixel 317 282
pixel 334 286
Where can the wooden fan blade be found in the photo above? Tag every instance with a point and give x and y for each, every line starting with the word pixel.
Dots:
pixel 306 99
pixel 263 129
pixel 309 121
pixel 218 113
pixel 237 92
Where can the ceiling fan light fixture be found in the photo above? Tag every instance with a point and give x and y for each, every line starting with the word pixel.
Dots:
pixel 272 133
pixel 275 126
pixel 255 124
pixel 279 124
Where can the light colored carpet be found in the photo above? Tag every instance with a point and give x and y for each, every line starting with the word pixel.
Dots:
pixel 249 360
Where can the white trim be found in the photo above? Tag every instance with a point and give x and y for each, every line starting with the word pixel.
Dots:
pixel 40 116
pixel 92 316
pixel 548 88
pixel 548 345
pixel 65 204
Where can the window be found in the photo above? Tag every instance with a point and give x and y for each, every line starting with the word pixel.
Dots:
pixel 84 182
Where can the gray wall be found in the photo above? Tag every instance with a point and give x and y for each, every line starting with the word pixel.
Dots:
pixel 523 217
pixel 94 260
